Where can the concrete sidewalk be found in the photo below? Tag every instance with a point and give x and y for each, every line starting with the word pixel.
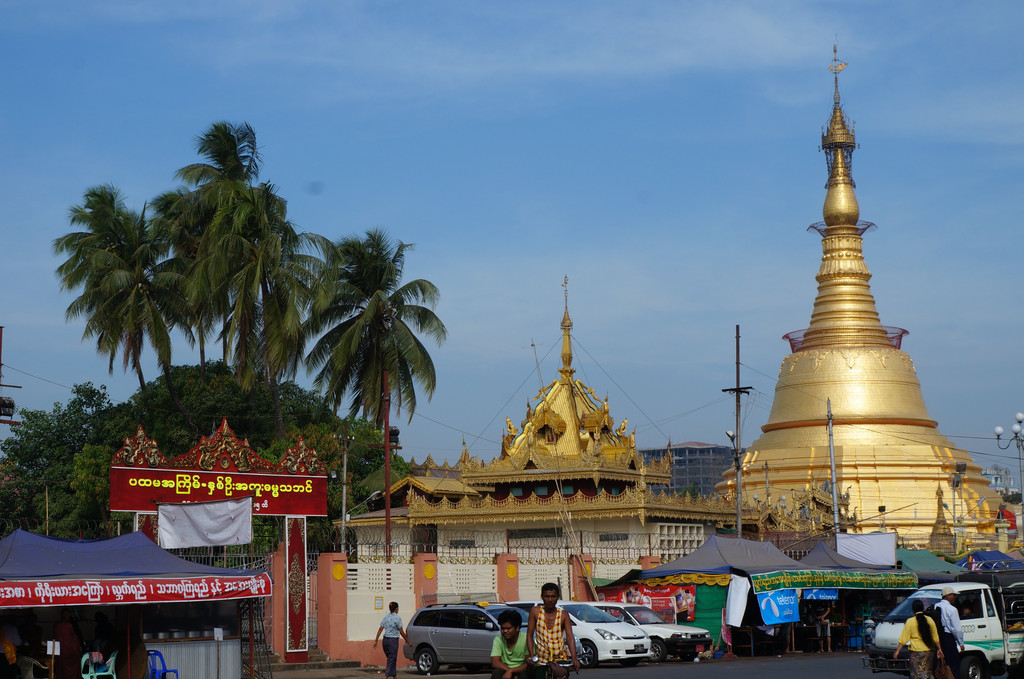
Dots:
pixel 370 672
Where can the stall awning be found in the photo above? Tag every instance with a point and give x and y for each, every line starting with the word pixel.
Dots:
pixel 36 570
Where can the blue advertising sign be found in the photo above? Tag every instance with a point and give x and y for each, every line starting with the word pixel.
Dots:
pixel 780 605
pixel 819 594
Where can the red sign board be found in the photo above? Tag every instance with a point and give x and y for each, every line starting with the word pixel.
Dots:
pixel 220 467
pixel 31 593
pixel 134 489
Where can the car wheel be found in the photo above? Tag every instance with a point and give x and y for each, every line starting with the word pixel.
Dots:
pixel 632 662
pixel 971 667
pixel 426 660
pixel 589 656
pixel 658 650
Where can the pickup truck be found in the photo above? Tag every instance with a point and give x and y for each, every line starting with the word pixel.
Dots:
pixel 991 606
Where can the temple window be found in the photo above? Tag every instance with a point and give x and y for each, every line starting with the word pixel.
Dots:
pixel 568 489
pixel 516 492
pixel 612 537
pixel 540 490
pixel 534 533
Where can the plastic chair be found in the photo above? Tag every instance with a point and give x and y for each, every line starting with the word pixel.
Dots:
pixel 27 664
pixel 158 668
pixel 89 670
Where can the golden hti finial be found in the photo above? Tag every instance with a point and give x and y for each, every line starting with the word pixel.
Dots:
pixel 838 142
pixel 566 369
pixel 835 67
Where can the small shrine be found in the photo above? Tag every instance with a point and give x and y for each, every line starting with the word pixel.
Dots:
pixel 568 478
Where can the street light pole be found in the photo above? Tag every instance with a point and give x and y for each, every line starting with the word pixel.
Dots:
pixel 1016 428
pixel 345 439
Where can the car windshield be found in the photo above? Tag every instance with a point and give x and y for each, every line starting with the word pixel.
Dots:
pixel 585 613
pixel 930 597
pixel 645 616
pixel 498 610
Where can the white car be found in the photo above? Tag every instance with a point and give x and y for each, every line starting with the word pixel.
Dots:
pixel 602 637
pixel 667 638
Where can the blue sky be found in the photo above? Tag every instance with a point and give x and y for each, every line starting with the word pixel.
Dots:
pixel 662 155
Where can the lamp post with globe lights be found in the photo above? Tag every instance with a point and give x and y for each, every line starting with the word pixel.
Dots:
pixel 1016 428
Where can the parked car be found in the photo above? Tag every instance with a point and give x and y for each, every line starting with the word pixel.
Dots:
pixel 667 638
pixel 602 637
pixel 456 634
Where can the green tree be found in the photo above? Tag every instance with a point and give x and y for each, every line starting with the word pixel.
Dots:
pixel 369 320
pixel 40 460
pixel 130 291
pixel 250 259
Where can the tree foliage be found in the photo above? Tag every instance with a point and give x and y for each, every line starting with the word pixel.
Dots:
pixel 41 474
pixel 370 319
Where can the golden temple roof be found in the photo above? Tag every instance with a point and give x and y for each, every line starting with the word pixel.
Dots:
pixel 568 433
pixel 439 486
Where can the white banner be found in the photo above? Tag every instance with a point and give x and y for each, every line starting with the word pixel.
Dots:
pixel 872 548
pixel 205 524
pixel 736 600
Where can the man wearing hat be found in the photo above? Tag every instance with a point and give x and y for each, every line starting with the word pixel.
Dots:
pixel 951 636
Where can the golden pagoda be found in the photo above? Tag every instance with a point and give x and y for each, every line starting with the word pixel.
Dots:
pixel 888 451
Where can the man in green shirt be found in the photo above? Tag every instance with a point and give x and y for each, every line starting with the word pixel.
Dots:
pixel 508 652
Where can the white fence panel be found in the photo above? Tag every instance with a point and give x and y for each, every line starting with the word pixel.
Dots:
pixel 371 587
pixel 458 578
pixel 533 576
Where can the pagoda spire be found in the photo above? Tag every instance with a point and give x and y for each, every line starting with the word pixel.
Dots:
pixel 844 311
pixel 566 370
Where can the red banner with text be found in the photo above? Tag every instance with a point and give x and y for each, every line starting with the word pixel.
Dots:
pixel 29 593
pixel 135 489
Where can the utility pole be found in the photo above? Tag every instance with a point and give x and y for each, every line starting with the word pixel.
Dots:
pixel 735 438
pixel 387 469
pixel 345 438
pixel 832 463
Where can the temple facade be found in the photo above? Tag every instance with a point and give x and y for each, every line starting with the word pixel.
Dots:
pixel 889 453
pixel 567 480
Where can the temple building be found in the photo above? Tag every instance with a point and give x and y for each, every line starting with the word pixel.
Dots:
pixel 889 453
pixel 568 479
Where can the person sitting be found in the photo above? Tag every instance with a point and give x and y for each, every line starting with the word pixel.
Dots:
pixel 508 651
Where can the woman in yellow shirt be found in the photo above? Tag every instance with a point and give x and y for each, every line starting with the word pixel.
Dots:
pixel 922 638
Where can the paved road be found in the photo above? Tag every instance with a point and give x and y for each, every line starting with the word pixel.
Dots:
pixel 826 666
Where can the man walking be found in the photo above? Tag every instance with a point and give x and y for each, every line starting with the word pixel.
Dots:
pixel 951 635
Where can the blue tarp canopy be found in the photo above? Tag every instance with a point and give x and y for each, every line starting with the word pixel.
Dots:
pixel 988 560
pixel 721 555
pixel 36 570
pixel 29 555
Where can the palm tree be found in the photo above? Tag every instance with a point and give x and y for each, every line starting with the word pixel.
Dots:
pixel 371 320
pixel 130 291
pixel 231 165
pixel 185 223
pixel 262 261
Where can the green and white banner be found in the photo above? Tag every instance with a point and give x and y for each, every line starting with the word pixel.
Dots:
pixel 767 582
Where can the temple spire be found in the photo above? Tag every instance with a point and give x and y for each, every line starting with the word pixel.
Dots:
pixel 844 311
pixel 566 370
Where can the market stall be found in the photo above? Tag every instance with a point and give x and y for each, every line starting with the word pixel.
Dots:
pixel 762 587
pixel 155 597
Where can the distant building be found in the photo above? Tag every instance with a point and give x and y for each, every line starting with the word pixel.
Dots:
pixel 693 463
pixel 1000 480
